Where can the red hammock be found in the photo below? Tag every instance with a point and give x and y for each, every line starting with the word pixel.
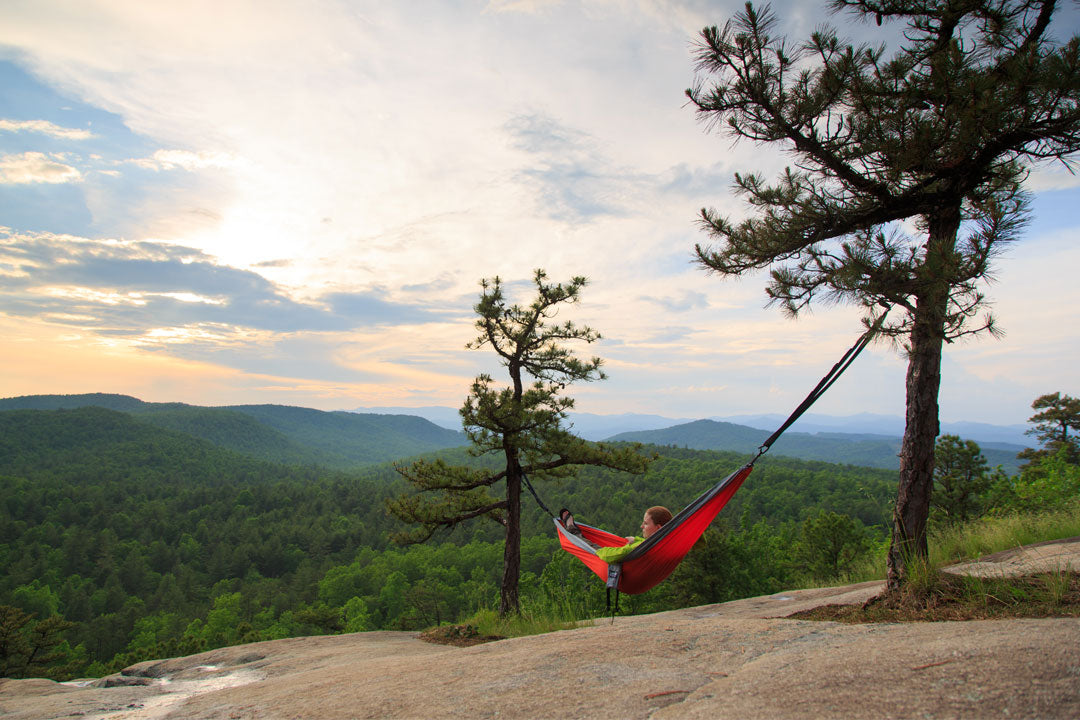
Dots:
pixel 653 560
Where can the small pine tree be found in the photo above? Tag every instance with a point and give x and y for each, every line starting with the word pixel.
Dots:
pixel 960 476
pixel 33 648
pixel 829 544
pixel 1058 415
pixel 522 422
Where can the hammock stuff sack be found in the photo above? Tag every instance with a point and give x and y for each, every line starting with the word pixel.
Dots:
pixel 654 559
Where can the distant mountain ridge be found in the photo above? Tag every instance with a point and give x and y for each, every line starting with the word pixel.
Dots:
pixel 865 449
pixel 276 433
pixel 865 439
pixel 889 425
pixel 343 439
pixel 602 427
pixel 587 425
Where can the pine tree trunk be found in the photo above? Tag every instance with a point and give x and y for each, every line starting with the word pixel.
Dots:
pixel 916 457
pixel 908 542
pixel 508 595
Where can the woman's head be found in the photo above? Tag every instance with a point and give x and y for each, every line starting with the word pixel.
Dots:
pixel 655 518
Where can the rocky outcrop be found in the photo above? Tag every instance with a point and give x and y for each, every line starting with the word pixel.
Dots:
pixel 740 660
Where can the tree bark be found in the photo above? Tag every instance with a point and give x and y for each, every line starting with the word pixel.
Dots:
pixel 916 457
pixel 908 542
pixel 508 593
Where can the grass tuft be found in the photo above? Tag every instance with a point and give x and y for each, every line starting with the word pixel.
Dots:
pixel 969 541
pixel 486 626
pixel 1058 586
pixel 528 622
pixel 962 597
pixel 931 594
pixel 990 534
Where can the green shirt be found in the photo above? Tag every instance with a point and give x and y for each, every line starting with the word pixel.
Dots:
pixel 615 554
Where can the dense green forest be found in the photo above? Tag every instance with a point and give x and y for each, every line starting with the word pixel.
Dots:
pixel 123 541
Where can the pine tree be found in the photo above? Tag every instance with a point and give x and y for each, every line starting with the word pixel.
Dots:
pixel 829 544
pixel 960 475
pixel 523 422
pixel 32 648
pixel 939 134
pixel 1058 415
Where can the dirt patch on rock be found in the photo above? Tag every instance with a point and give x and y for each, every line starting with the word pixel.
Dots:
pixel 457 635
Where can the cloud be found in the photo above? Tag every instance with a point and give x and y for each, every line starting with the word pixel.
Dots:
pixel 132 288
pixel 531 7
pixel 691 181
pixel 96 190
pixel 1053 176
pixel 576 183
pixel 688 300
pixel 517 134
pixel 44 127
pixel 186 160
pixel 368 308
pixel 444 281
pixel 34 168
pixel 541 135
pixel 668 335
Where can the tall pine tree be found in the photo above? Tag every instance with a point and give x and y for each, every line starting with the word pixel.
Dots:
pixel 939 134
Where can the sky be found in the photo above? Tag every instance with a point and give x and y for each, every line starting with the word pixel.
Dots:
pixel 294 202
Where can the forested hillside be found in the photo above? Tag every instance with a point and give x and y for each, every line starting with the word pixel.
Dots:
pixel 276 433
pixel 154 543
pixel 303 436
pixel 353 439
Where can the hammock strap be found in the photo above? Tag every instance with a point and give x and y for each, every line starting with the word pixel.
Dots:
pixel 826 382
pixel 607 606
pixel 536 497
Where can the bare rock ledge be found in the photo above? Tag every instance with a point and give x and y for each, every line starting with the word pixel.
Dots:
pixel 735 660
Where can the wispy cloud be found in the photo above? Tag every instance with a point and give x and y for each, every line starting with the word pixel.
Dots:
pixel 668 335
pixel 572 178
pixel 531 7
pixel 36 168
pixel 45 128
pixel 686 300
pixel 1054 176
pixel 186 160
pixel 685 179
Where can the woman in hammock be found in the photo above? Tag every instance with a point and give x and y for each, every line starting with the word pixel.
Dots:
pixel 654 519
